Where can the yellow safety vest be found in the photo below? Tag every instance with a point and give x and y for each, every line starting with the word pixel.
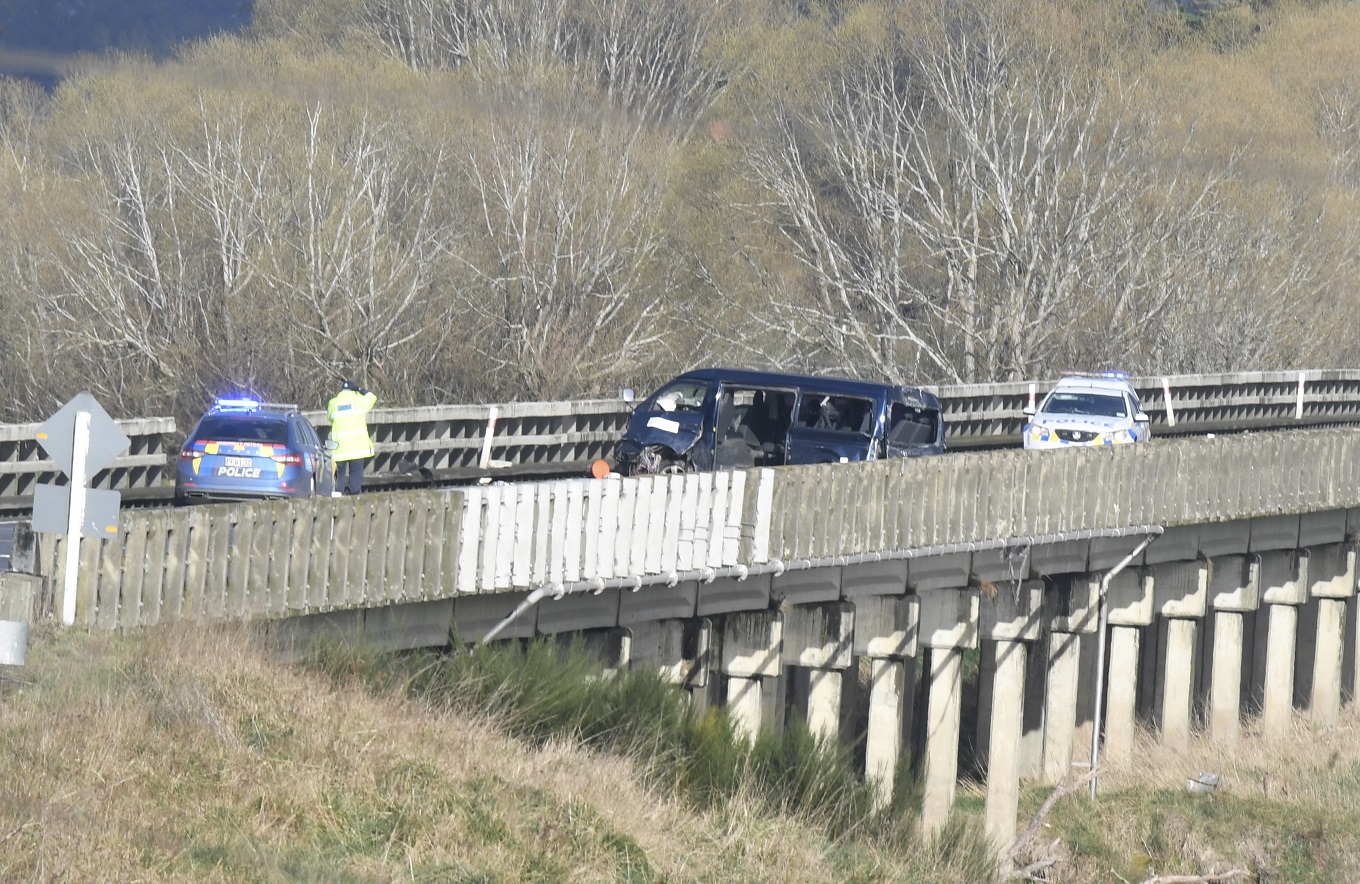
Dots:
pixel 348 427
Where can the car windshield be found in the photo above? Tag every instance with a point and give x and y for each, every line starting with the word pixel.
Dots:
pixel 1090 404
pixel 221 428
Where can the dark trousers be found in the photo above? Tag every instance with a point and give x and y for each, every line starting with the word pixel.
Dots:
pixel 349 475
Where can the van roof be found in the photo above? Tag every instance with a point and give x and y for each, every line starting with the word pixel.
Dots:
pixel 821 383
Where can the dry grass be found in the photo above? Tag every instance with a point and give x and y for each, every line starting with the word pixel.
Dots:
pixel 1284 810
pixel 189 754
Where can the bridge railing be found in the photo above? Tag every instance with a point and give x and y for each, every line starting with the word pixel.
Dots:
pixel 544 439
pixel 991 415
pixel 519 438
pixel 615 536
pixel 24 464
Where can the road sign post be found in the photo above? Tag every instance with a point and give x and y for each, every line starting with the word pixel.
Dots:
pixel 82 440
pixel 75 519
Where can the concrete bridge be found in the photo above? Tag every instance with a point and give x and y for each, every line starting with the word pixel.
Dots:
pixel 1223 570
pixel 555 439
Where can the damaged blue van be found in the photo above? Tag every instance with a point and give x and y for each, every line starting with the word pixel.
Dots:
pixel 716 418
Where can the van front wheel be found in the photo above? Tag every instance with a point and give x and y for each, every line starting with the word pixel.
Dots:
pixel 657 461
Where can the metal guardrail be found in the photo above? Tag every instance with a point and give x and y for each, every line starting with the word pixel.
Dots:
pixel 544 439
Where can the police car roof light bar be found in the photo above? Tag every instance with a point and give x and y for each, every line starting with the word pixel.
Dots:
pixel 1113 375
pixel 236 404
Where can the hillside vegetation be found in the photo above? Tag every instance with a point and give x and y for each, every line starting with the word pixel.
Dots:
pixel 193 754
pixel 483 201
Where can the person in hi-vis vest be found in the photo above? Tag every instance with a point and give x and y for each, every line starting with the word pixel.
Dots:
pixel 349 432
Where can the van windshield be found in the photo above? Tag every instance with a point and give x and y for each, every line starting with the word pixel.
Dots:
pixel 683 396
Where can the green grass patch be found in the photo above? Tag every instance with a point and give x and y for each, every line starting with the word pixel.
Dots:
pixel 542 690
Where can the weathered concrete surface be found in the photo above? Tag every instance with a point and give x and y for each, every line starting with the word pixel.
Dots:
pixel 1060 713
pixel 1277 710
pixel 888 695
pixel 1120 712
pixel 1003 762
pixel 942 736
pixel 1225 696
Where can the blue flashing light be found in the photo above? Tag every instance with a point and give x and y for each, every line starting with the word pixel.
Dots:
pixel 236 405
pixel 1117 375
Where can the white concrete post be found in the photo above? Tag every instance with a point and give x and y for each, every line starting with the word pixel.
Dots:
pixel 886 628
pixel 75 517
pixel 744 704
pixel 1331 625
pixel 883 741
pixel 1120 711
pixel 820 638
pixel 824 703
pixel 750 655
pixel 1277 708
pixel 1234 592
pixel 1003 758
pixel 1331 580
pixel 1060 704
pixel 1226 691
pixel 1008 621
pixel 942 736
pixel 1179 695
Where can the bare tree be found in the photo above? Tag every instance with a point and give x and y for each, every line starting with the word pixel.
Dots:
pixel 654 60
pixel 123 303
pixel 568 286
pixel 962 202
pixel 358 248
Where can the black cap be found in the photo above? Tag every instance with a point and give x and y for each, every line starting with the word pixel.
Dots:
pixel 349 385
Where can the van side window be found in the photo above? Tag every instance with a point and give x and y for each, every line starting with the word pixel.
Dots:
pixel 842 414
pixel 908 425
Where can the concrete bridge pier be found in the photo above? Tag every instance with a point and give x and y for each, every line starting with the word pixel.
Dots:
pixel 1072 614
pixel 1129 602
pixel 1234 592
pixel 1010 621
pixel 1180 591
pixel 677 650
pixel 1331 579
pixel 750 656
pixel 949 626
pixel 886 634
pixel 1283 580
pixel 819 638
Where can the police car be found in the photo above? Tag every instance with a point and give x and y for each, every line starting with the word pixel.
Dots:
pixel 243 449
pixel 1084 410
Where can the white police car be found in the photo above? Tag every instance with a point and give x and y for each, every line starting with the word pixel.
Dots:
pixel 1084 410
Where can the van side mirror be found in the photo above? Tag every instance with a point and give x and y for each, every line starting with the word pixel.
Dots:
pixel 331 445
pixel 1141 417
pixel 1029 410
pixel 626 394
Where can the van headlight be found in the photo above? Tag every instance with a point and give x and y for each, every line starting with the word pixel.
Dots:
pixel 1037 432
pixel 1121 436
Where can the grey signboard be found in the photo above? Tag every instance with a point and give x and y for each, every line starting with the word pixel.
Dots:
pixel 107 439
pixel 52 508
